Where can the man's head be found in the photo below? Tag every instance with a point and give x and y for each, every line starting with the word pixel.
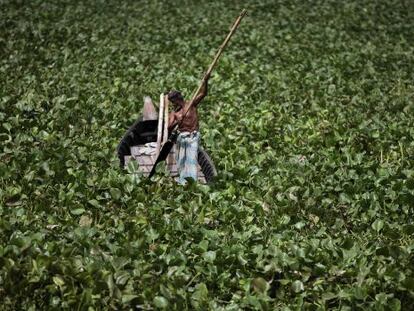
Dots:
pixel 176 98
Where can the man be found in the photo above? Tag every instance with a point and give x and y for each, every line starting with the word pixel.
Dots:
pixel 188 138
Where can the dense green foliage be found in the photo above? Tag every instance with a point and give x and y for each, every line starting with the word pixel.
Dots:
pixel 309 121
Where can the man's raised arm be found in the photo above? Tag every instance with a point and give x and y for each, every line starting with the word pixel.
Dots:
pixel 203 92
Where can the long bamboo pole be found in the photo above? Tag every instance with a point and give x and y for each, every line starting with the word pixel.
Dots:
pixel 215 60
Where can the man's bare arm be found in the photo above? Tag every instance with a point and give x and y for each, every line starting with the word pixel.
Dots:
pixel 172 120
pixel 203 92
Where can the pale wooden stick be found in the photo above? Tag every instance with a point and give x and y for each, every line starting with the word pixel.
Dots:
pixel 169 159
pixel 165 133
pixel 160 124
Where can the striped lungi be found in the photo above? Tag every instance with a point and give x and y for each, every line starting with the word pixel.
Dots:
pixel 187 155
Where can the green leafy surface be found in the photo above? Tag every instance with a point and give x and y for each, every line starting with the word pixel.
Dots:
pixel 309 121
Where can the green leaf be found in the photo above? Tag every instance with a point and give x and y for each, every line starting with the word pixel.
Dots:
pixel 7 126
pixel 260 285
pixel 200 296
pixel 210 256
pixel 122 277
pixel 328 296
pixel 85 221
pixel 377 225
pixel 394 304
pixel 160 302
pixel 58 280
pixel 115 193
pixel 203 245
pixel 94 203
pixel 77 211
pixel 297 286
pixel 110 283
pixel 128 298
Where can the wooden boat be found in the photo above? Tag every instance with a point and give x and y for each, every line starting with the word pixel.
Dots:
pixel 143 140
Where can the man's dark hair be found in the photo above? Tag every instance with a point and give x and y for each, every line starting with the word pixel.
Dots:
pixel 175 95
